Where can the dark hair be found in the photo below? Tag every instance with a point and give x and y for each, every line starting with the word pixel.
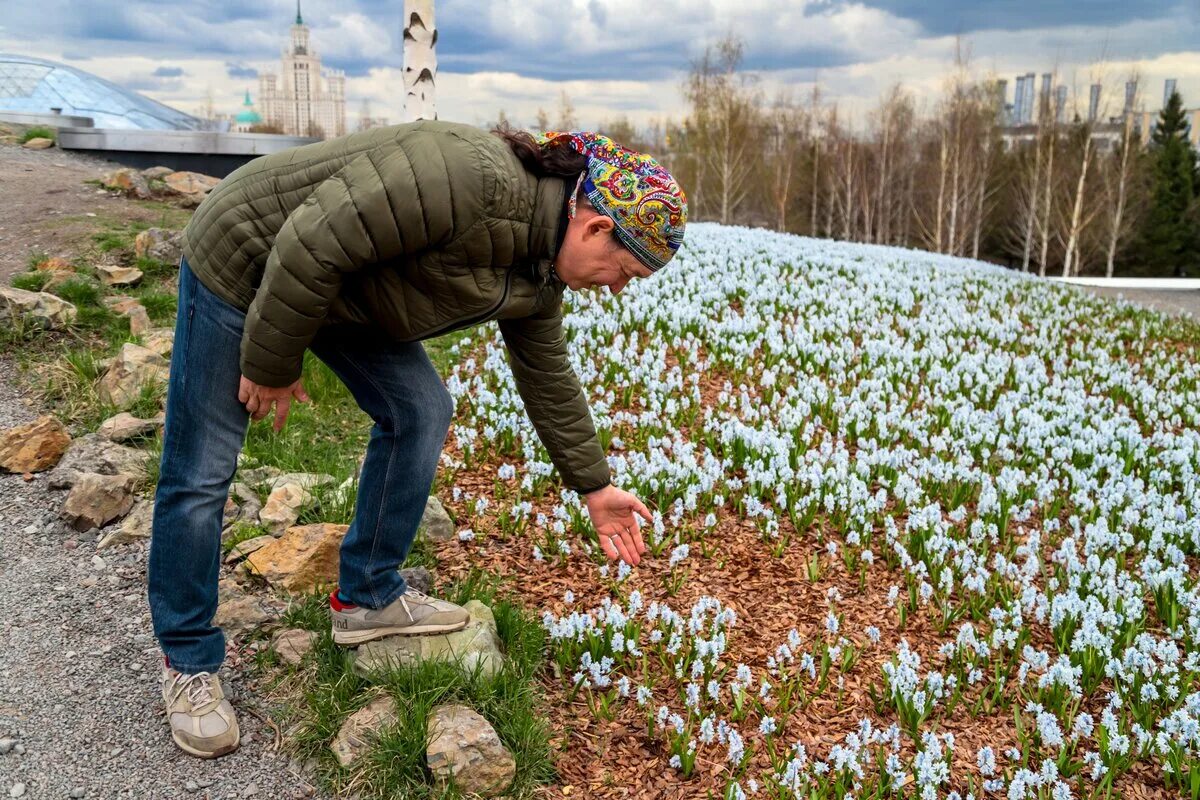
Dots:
pixel 562 162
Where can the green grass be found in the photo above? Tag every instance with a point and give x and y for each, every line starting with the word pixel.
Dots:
pixel 36 257
pixel 159 305
pixel 395 765
pixel 31 281
pixel 39 132
pixel 327 435
pixel 79 290
pixel 241 532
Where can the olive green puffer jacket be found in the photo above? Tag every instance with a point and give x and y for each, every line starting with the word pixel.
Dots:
pixel 413 230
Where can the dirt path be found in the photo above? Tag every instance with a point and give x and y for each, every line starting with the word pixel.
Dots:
pixel 45 205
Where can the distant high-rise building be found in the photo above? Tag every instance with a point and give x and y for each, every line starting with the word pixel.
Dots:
pixel 1044 97
pixel 1168 90
pixel 1060 103
pixel 1002 99
pixel 304 100
pixel 1030 90
pixel 1019 101
pixel 1094 103
pixel 1130 96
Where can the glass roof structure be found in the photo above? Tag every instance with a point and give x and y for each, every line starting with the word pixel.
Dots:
pixel 36 86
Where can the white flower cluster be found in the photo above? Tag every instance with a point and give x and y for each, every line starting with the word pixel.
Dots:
pixel 1020 458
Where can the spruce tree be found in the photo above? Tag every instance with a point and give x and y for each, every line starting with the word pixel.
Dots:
pixel 1171 232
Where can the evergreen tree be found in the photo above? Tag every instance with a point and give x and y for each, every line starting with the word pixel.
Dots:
pixel 1171 232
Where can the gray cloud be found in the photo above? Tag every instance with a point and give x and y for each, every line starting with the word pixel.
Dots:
pixel 240 71
pixel 168 72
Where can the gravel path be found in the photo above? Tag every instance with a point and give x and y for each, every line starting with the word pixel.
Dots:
pixel 80 707
pixel 1169 302
pixel 80 710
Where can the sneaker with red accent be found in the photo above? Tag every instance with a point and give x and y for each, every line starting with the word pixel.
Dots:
pixel 202 720
pixel 410 614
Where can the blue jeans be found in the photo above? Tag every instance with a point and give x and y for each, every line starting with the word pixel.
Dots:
pixel 206 425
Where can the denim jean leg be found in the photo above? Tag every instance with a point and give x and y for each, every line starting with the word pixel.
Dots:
pixel 396 385
pixel 205 429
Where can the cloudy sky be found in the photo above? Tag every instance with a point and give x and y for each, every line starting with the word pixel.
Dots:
pixel 614 57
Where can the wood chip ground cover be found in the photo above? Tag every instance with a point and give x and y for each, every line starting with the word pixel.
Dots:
pixel 877 452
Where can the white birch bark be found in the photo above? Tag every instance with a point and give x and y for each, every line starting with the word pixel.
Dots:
pixel 420 61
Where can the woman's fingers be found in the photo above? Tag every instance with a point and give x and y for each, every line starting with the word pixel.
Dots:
pixel 606 544
pixel 623 549
pixel 636 536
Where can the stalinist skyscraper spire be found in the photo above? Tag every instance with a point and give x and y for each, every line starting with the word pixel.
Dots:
pixel 304 99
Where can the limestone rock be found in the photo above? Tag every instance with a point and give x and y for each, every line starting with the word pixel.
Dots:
pixel 119 303
pixel 33 447
pixel 134 367
pixel 135 527
pixel 160 340
pixel 258 475
pixel 56 279
pixel 283 507
pixel 38 143
pixel 190 183
pixel 128 181
pixel 246 547
pixel 125 426
pixel 305 480
pixel 38 309
pixel 475 646
pixel 96 500
pixel 239 612
pixel 293 644
pixel 361 729
pixel 418 578
pixel 436 522
pixel 114 275
pixel 465 749
pixel 93 453
pixel 156 173
pixel 159 244
pixel 304 558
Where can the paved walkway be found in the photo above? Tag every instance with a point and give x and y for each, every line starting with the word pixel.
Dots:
pixel 1171 302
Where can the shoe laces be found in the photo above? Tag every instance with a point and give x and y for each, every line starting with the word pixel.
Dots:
pixel 416 596
pixel 197 687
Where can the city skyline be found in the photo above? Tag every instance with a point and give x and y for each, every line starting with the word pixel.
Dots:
pixel 520 56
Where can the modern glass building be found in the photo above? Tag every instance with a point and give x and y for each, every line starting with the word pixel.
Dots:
pixel 36 86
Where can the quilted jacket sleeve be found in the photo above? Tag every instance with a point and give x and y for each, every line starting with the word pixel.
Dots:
pixel 385 203
pixel 554 400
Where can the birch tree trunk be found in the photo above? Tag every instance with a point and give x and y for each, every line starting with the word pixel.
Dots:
pixel 1031 217
pixel 420 60
pixel 1048 203
pixel 1118 221
pixel 1077 209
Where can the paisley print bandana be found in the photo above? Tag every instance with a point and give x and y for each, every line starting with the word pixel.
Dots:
pixel 632 189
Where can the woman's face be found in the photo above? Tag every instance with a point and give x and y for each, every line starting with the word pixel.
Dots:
pixel 591 255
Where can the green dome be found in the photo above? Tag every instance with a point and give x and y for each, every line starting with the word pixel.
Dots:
pixel 248 116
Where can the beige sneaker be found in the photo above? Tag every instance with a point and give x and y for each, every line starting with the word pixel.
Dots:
pixel 202 720
pixel 410 614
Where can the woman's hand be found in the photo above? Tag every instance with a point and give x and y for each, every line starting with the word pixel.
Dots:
pixel 259 399
pixel 614 514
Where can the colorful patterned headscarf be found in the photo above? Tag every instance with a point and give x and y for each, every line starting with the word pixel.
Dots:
pixel 646 204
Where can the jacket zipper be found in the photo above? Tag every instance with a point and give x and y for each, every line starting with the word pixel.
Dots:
pixel 467 321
